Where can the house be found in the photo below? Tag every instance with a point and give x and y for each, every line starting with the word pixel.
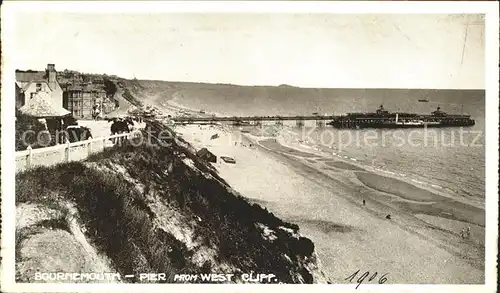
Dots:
pixel 206 155
pixel 82 100
pixel 30 82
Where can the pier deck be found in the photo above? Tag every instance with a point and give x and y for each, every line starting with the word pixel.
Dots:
pixel 250 118
pixel 350 120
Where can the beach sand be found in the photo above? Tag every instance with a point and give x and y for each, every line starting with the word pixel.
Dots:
pixel 419 244
pixel 324 195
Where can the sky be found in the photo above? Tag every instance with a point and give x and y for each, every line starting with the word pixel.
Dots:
pixel 307 50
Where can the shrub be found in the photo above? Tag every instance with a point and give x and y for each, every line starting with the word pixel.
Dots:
pixel 27 131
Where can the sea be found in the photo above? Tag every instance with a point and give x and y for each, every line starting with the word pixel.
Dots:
pixel 448 159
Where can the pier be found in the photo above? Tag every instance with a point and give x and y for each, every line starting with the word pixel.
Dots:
pixel 379 119
pixel 343 121
pixel 189 119
pixel 254 120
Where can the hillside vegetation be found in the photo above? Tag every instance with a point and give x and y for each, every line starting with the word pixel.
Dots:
pixel 153 208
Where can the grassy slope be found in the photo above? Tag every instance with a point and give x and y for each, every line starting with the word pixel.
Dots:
pixel 121 222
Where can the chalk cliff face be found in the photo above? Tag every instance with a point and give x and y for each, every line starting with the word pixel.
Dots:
pixel 156 209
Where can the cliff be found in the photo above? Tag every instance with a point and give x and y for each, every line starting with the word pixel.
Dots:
pixel 150 208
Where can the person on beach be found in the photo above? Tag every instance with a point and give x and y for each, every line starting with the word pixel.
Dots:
pixel 364 202
pixel 462 233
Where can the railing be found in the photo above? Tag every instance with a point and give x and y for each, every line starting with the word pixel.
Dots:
pixel 68 152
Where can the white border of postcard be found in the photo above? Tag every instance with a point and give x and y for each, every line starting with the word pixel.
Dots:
pixel 11 8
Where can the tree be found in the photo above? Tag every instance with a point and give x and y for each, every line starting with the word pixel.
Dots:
pixel 27 132
pixel 109 87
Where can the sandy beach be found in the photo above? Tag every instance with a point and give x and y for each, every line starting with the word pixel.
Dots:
pixel 324 196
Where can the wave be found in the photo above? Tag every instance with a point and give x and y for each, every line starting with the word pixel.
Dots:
pixel 386 169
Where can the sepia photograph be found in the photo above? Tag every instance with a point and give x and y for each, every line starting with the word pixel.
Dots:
pixel 161 144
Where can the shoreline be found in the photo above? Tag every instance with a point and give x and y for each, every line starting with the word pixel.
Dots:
pixel 323 194
pixel 392 185
pixel 427 187
pixel 402 190
pixel 326 203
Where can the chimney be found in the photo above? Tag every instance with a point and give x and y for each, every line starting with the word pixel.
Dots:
pixel 51 75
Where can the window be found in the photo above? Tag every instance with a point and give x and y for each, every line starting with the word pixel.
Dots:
pixel 38 87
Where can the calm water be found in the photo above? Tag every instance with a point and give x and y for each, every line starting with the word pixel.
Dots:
pixel 444 158
pixel 441 160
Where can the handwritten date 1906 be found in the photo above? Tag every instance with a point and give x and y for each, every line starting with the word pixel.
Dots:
pixel 361 278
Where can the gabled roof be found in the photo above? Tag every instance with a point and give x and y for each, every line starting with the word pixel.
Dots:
pixel 40 106
pixel 27 76
pixel 27 84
